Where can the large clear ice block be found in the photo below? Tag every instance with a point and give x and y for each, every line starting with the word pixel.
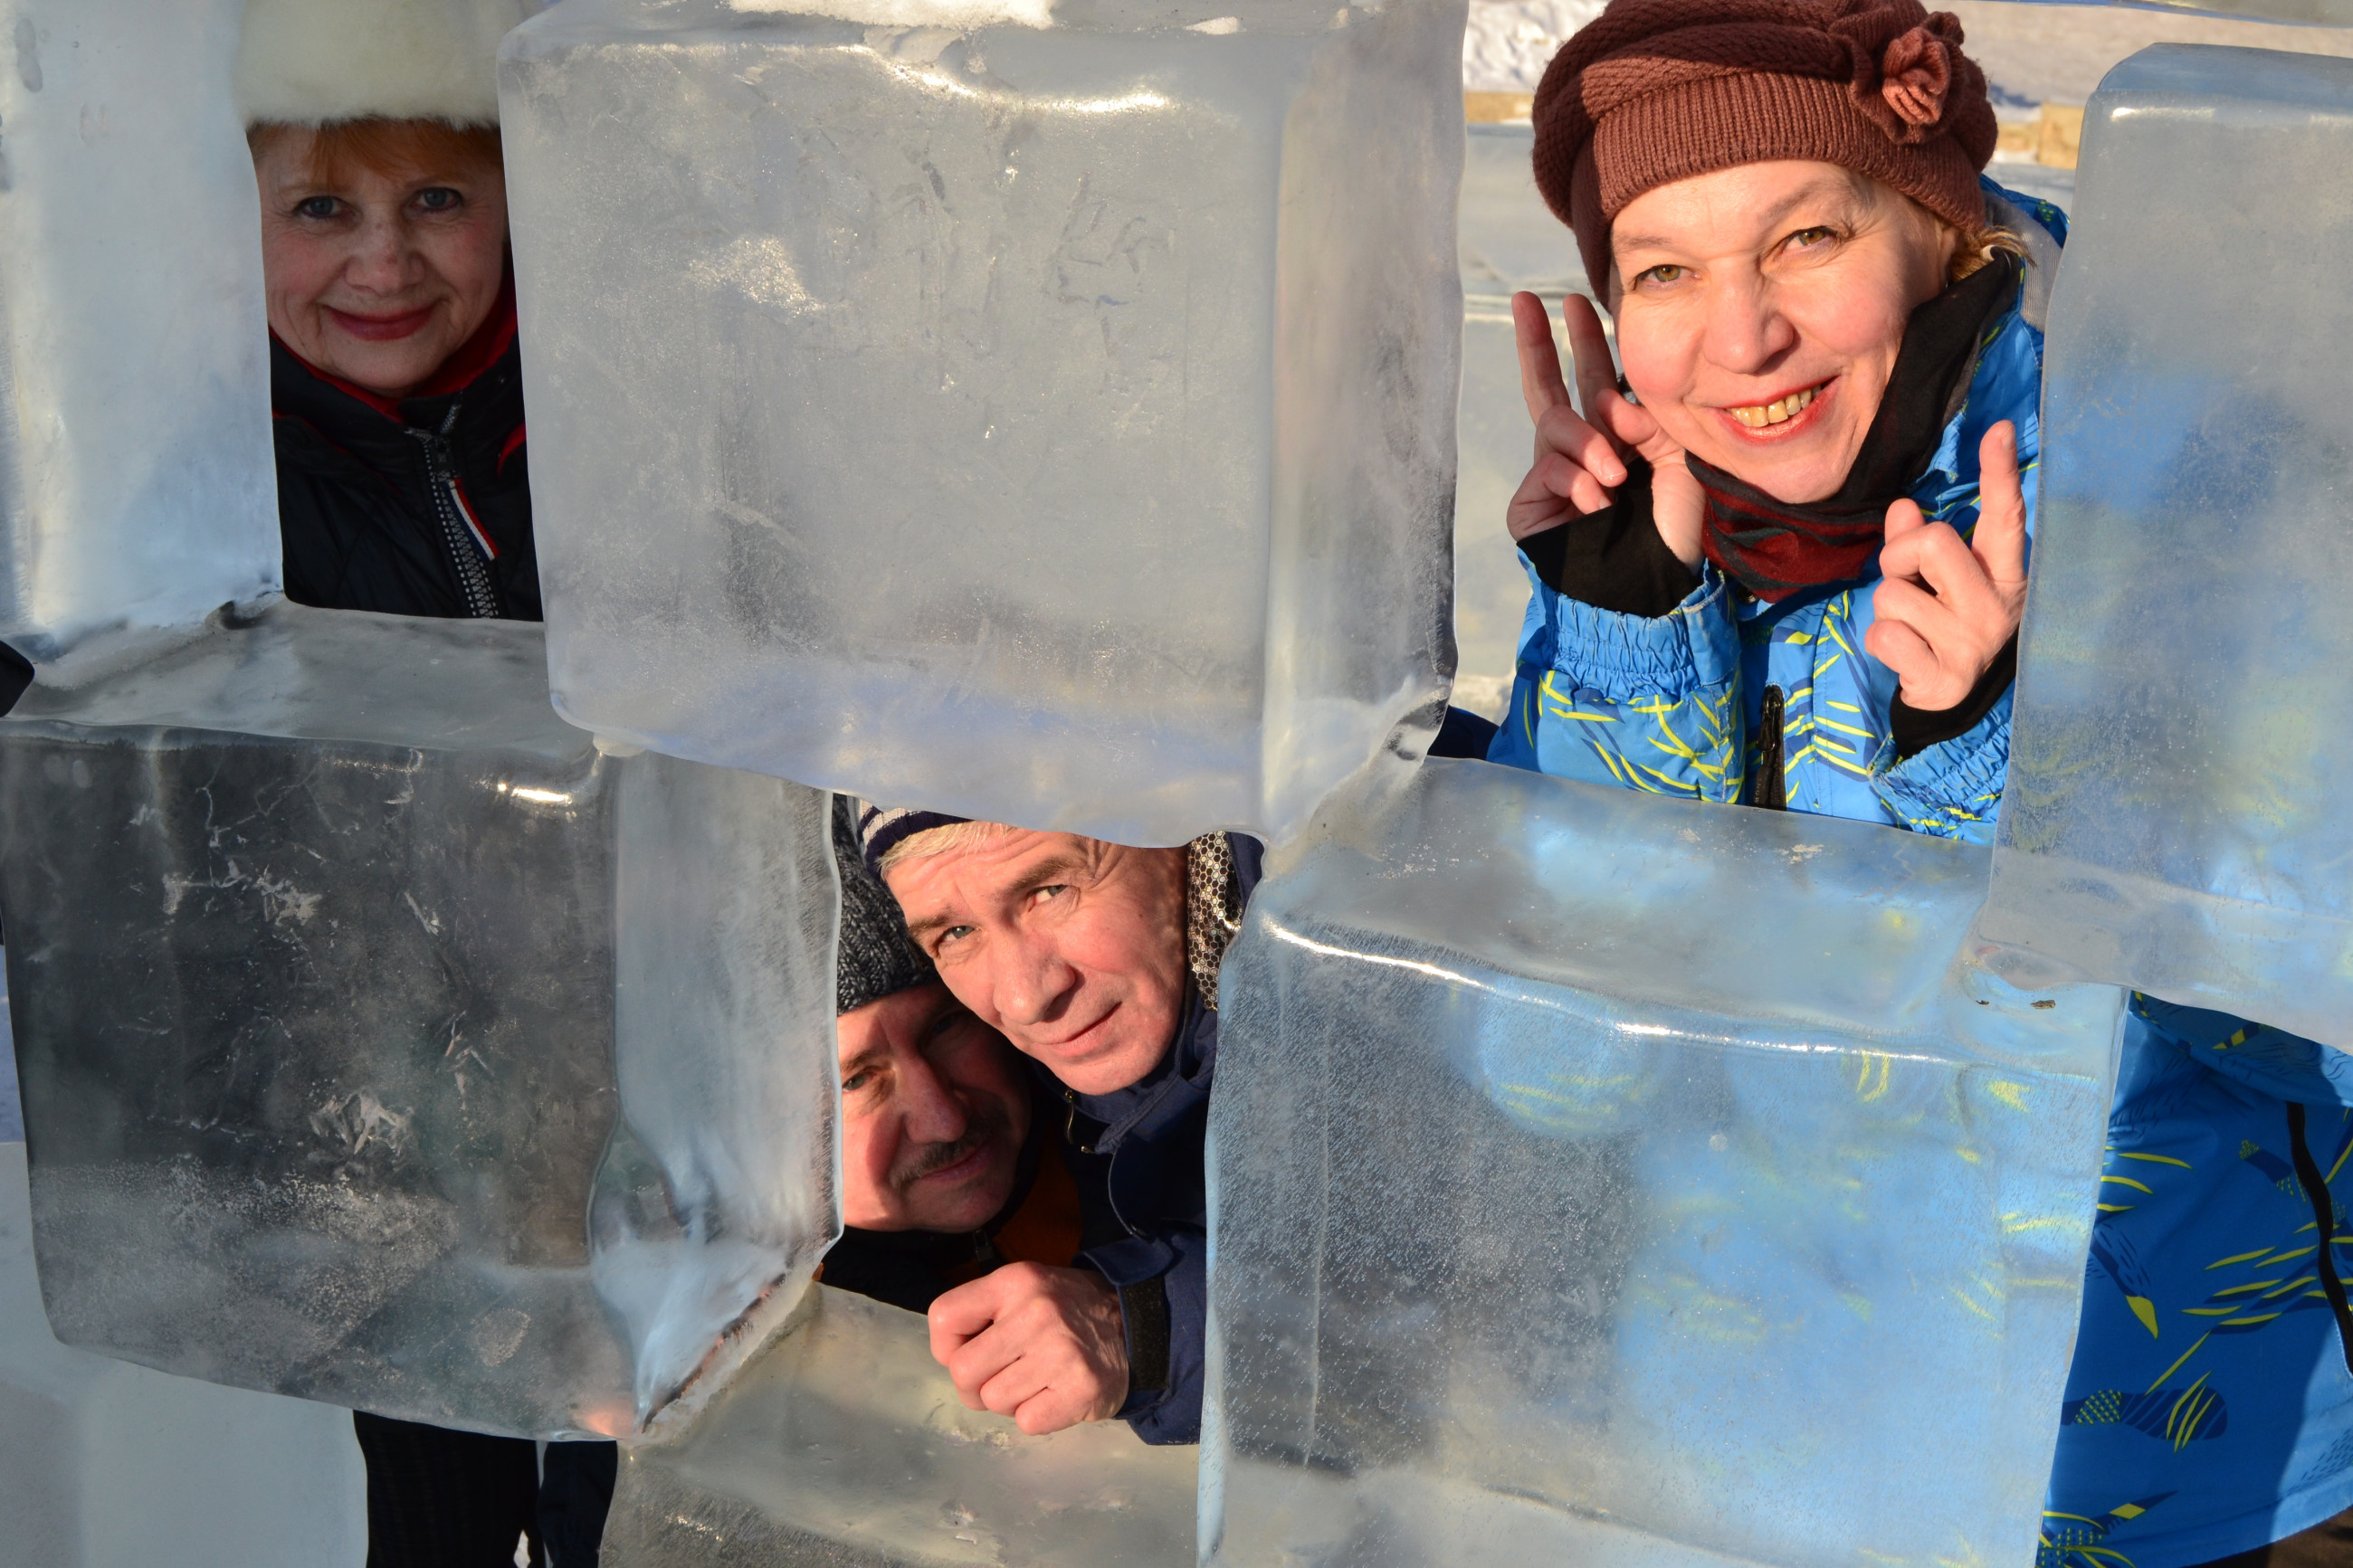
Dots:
pixel 1052 424
pixel 1510 241
pixel 845 1444
pixel 2173 819
pixel 136 483
pixel 1603 1179
pixel 104 1465
pixel 383 1042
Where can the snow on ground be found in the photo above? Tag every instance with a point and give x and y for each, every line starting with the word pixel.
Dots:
pixel 2033 53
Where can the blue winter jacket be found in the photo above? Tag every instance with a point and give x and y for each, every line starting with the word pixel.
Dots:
pixel 2209 1407
pixel 1142 1182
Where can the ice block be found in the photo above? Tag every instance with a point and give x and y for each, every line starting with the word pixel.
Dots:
pixel 844 1443
pixel 2172 820
pixel 136 481
pixel 384 1042
pixel 103 1465
pixel 1046 424
pixel 1601 1178
pixel 2326 13
pixel 1509 241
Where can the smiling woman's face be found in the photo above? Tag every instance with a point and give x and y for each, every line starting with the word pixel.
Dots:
pixel 1759 310
pixel 374 277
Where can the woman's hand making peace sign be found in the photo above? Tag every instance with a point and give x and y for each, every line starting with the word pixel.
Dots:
pixel 1581 461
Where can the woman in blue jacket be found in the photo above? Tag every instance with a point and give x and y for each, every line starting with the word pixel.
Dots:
pixel 1782 562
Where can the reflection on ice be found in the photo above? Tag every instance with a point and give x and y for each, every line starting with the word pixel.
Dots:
pixel 385 1043
pixel 845 1443
pixel 1589 1166
pixel 1050 426
pixel 2173 819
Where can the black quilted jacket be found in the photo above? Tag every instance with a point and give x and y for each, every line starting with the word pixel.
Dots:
pixel 418 507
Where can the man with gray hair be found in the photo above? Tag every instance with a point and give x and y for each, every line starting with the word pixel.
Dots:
pixel 1099 962
pixel 952 1169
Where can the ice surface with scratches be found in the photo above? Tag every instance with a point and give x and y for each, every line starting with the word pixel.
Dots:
pixel 1052 425
pixel 1601 1177
pixel 385 1043
pixel 136 484
pixel 845 1444
pixel 103 1464
pixel 2174 817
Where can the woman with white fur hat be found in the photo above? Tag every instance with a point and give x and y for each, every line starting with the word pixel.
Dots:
pixel 402 489
pixel 394 376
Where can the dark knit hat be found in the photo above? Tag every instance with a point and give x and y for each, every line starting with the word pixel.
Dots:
pixel 882 828
pixel 874 958
pixel 1657 90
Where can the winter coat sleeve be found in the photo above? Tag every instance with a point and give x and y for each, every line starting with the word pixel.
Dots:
pixel 1167 1322
pixel 1649 702
pixel 1163 1281
pixel 1952 789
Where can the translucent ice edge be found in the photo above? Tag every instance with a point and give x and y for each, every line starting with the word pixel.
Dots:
pixel 962 13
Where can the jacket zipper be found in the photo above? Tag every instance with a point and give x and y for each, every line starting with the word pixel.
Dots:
pixel 2324 1210
pixel 441 478
pixel 1771 792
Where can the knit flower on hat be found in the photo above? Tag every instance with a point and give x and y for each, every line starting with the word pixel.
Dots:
pixel 1905 84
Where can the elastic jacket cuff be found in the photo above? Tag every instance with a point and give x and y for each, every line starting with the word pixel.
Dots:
pixel 1144 1307
pixel 1916 730
pixel 1614 559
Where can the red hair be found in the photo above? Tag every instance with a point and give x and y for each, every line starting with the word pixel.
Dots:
pixel 389 147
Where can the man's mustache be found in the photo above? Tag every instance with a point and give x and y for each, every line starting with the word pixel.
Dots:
pixel 986 1126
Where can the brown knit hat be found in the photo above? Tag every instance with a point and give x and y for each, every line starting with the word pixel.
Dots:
pixel 1658 90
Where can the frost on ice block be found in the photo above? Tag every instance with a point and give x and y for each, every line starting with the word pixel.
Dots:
pixel 136 486
pixel 844 1443
pixel 2174 818
pixel 1601 1178
pixel 1047 424
pixel 104 1465
pixel 385 1043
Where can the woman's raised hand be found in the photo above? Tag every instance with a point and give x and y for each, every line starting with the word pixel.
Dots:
pixel 1946 609
pixel 1581 459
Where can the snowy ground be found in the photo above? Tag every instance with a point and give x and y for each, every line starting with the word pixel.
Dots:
pixel 2032 53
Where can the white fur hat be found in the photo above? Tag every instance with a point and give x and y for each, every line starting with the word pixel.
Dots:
pixel 303 62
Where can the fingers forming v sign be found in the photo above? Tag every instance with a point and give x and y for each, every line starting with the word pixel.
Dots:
pixel 1581 457
pixel 1947 608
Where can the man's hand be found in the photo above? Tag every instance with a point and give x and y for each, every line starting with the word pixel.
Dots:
pixel 1946 609
pixel 1046 1346
pixel 1581 461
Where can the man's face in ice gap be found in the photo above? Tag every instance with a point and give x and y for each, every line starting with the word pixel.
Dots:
pixel 378 277
pixel 1759 310
pixel 1074 947
pixel 933 1113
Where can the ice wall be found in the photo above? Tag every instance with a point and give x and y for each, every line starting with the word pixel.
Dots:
pixel 136 485
pixel 845 1444
pixel 383 1042
pixel 1046 425
pixel 1603 1178
pixel 1509 241
pixel 104 1465
pixel 2172 817
pixel 2326 13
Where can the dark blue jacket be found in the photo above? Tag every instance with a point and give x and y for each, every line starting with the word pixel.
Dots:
pixel 1139 1155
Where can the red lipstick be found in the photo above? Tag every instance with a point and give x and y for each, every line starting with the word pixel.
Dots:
pixel 380 329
